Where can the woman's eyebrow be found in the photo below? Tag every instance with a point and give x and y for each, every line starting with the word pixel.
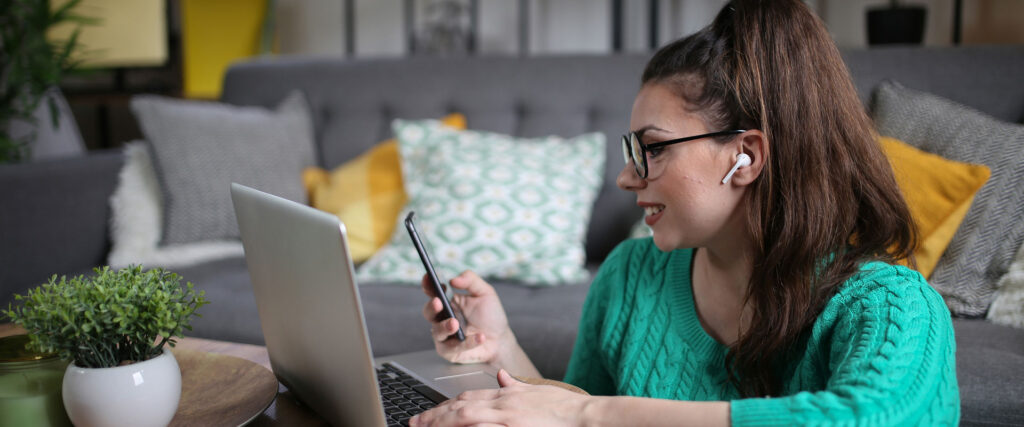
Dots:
pixel 640 132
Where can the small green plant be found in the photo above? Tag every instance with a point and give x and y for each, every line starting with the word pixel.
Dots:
pixel 105 320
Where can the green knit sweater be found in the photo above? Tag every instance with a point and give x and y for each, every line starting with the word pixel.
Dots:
pixel 881 352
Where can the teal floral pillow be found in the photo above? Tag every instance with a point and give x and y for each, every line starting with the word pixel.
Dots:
pixel 504 207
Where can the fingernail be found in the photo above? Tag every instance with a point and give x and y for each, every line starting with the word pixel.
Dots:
pixel 415 420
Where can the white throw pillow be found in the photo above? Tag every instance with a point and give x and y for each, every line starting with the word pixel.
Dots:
pixel 507 208
pixel 136 217
pixel 1008 307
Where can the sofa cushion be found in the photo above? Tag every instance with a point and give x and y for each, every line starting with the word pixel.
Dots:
pixel 231 314
pixel 505 207
pixel 984 245
pixel 990 373
pixel 54 218
pixel 200 148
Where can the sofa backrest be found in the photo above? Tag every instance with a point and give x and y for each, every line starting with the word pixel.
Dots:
pixel 987 78
pixel 354 101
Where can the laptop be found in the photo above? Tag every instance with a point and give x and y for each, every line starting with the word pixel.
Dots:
pixel 313 324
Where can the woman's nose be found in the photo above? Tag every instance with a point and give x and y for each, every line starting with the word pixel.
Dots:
pixel 628 179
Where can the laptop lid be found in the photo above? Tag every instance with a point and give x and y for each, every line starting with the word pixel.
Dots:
pixel 309 306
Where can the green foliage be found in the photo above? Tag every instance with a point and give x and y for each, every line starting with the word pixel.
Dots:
pixel 114 316
pixel 29 63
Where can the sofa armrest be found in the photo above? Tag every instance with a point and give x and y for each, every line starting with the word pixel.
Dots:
pixel 54 218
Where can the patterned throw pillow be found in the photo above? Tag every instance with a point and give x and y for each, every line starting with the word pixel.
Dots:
pixel 199 148
pixel 984 245
pixel 505 207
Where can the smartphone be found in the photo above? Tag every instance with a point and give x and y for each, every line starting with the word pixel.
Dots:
pixel 450 309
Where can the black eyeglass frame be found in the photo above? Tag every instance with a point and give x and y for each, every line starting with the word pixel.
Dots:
pixel 628 150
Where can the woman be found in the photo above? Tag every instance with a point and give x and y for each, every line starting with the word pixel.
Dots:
pixel 768 293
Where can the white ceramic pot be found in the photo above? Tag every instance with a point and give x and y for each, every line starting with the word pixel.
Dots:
pixel 142 394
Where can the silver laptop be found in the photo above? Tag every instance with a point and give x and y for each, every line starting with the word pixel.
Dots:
pixel 313 324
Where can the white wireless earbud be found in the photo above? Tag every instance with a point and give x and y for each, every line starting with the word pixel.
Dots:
pixel 742 160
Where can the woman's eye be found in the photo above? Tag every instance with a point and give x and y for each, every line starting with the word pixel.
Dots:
pixel 654 152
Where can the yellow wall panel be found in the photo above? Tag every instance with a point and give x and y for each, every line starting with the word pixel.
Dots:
pixel 216 33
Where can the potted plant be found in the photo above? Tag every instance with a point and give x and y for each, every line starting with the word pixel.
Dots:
pixel 113 327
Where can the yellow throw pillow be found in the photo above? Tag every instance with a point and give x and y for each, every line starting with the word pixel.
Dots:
pixel 366 193
pixel 939 192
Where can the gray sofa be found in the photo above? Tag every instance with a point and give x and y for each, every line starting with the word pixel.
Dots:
pixel 55 214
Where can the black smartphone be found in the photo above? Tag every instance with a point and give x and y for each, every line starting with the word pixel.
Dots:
pixel 450 309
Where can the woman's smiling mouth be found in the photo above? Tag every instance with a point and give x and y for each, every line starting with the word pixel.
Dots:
pixel 652 213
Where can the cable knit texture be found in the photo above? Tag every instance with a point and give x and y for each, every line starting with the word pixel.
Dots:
pixel 880 353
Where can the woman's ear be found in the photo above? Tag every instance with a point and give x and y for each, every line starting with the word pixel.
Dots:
pixel 754 146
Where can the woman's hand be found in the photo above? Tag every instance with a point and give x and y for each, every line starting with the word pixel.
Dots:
pixel 514 404
pixel 488 337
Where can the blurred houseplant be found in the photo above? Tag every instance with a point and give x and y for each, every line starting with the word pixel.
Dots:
pixel 30 64
pixel 113 327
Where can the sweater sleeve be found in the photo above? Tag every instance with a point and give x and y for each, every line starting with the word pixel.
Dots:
pixel 588 366
pixel 891 359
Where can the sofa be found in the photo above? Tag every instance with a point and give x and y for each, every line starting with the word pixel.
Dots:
pixel 55 215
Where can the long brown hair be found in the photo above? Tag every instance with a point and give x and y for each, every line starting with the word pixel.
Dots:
pixel 826 200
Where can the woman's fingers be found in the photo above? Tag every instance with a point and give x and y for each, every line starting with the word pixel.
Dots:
pixel 428 286
pixel 506 379
pixel 469 351
pixel 481 394
pixel 444 329
pixel 469 281
pixel 431 308
pixel 459 413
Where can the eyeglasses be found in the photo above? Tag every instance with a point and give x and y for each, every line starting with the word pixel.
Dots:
pixel 633 150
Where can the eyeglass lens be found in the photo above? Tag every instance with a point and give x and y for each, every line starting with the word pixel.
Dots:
pixel 633 152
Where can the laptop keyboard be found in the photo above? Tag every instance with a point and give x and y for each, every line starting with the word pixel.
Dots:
pixel 403 395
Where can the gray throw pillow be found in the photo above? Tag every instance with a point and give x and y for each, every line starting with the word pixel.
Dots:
pixel 199 148
pixel 984 245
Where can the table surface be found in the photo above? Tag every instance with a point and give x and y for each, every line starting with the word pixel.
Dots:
pixel 284 411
